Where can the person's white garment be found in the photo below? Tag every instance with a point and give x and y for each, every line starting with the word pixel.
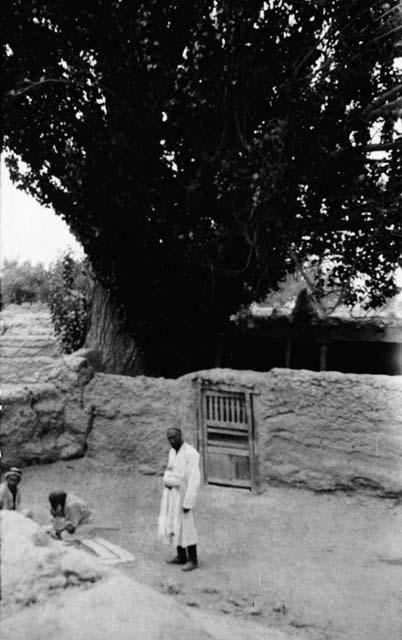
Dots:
pixel 181 484
pixel 7 500
pixel 76 511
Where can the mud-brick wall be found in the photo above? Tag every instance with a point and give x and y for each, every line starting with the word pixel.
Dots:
pixel 319 430
pixel 325 430
pixel 41 423
pixel 131 417
pixel 47 420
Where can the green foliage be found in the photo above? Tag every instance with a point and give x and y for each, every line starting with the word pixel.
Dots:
pixel 68 295
pixel 23 283
pixel 201 150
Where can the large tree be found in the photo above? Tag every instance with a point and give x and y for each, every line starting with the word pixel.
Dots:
pixel 202 150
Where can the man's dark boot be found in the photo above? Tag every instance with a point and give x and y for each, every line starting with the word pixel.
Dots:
pixel 192 559
pixel 181 557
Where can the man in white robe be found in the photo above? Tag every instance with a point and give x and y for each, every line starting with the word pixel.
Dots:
pixel 181 485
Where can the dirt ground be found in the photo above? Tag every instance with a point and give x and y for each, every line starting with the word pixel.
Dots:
pixel 313 565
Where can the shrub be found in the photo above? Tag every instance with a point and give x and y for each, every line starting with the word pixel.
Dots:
pixel 68 288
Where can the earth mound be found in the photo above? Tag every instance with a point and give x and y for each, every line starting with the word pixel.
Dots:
pixel 50 591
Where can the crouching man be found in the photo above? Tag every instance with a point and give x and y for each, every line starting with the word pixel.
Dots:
pixel 181 485
pixel 69 513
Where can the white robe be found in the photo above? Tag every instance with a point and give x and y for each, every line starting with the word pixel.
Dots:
pixel 7 498
pixel 183 476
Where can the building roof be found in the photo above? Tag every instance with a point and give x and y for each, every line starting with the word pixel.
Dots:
pixel 356 325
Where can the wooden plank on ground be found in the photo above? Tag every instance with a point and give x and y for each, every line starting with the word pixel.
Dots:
pixel 107 552
pixel 121 553
pixel 97 548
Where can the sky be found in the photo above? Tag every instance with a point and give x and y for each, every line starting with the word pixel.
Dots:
pixel 29 231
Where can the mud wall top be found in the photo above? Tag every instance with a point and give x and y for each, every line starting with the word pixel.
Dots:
pixel 324 431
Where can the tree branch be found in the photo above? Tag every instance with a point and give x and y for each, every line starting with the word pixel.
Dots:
pixel 95 84
pixel 300 62
pixel 385 97
pixel 384 35
pixel 242 140
pixel 39 84
pixel 307 280
pixel 384 146
pixel 370 148
pixel 338 301
pixel 383 110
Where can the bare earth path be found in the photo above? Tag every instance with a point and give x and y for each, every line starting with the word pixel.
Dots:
pixel 318 566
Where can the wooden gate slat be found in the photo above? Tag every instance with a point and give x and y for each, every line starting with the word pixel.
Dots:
pixel 227 429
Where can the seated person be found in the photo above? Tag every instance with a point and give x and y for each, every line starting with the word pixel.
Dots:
pixel 10 494
pixel 68 511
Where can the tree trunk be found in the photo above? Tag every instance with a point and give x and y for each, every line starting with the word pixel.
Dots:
pixel 118 350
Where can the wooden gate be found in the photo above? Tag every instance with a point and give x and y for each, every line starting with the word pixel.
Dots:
pixel 227 438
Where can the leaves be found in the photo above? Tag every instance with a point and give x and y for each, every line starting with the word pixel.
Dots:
pixel 68 302
pixel 266 112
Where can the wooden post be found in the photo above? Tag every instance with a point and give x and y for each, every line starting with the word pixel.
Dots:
pixel 219 352
pixel 323 356
pixel 201 430
pixel 255 471
pixel 288 352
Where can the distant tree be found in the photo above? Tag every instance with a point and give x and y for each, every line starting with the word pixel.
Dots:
pixel 202 150
pixel 23 282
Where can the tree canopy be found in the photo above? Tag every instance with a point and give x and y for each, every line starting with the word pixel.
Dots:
pixel 200 151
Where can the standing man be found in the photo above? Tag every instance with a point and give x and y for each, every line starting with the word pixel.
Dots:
pixel 181 484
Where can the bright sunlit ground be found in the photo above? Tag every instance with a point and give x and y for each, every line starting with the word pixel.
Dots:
pixel 319 566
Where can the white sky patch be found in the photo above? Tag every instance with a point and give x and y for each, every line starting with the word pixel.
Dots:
pixel 29 231
pixel 170 159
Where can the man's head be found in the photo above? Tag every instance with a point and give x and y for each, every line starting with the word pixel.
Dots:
pixel 57 501
pixel 13 477
pixel 175 437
